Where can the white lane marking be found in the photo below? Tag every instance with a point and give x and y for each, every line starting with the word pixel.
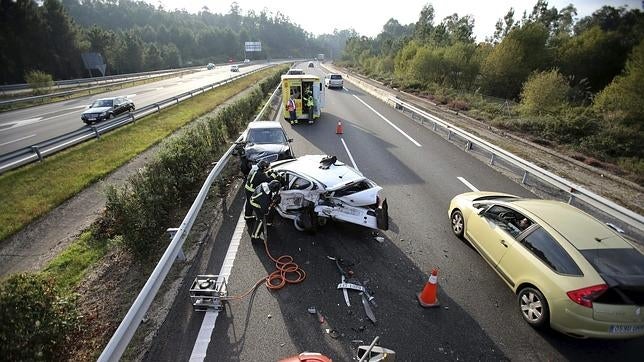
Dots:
pixel 210 317
pixel 130 95
pixel 350 156
pixel 344 89
pixel 388 121
pixel 469 185
pixel 24 122
pixel 64 114
pixel 17 139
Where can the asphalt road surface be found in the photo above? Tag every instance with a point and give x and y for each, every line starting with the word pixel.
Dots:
pixel 25 127
pixel 419 171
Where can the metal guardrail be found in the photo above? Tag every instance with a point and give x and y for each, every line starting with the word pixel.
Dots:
pixel 102 82
pixel 80 81
pixel 125 331
pixel 529 169
pixel 39 150
pixel 99 85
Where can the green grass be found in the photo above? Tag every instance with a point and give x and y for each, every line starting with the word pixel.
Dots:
pixel 33 190
pixel 70 266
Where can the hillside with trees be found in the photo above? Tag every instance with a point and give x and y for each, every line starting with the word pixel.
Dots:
pixel 564 82
pixel 134 36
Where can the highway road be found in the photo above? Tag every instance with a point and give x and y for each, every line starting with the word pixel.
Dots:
pixel 22 128
pixel 420 172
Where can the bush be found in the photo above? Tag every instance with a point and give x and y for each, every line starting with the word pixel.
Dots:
pixel 37 320
pixel 40 82
pixel 458 105
pixel 142 209
pixel 544 93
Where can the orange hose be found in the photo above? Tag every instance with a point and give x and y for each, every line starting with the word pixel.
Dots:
pixel 284 265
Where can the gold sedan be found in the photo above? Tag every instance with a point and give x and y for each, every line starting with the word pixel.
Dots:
pixel 569 270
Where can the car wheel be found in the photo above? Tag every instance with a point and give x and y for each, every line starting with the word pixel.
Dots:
pixel 534 307
pixel 110 115
pixel 458 223
pixel 298 224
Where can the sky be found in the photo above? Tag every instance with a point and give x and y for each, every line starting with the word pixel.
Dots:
pixel 368 17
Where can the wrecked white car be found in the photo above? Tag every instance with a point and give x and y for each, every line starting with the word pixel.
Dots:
pixel 318 188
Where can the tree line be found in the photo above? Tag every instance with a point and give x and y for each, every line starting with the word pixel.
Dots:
pixel 577 82
pixel 135 36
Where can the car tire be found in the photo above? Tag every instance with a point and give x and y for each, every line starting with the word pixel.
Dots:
pixel 110 115
pixel 458 223
pixel 533 307
pixel 298 224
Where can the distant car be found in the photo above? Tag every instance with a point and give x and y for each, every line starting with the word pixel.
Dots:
pixel 234 68
pixel 319 188
pixel 295 71
pixel 263 140
pixel 246 60
pixel 106 108
pixel 311 65
pixel 334 81
pixel 569 270
pixel 210 66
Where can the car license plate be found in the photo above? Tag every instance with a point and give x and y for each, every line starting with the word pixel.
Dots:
pixel 91 118
pixel 625 329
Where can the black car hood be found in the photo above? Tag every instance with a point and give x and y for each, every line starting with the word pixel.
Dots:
pixel 254 151
pixel 97 110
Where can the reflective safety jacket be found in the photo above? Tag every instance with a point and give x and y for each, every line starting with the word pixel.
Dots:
pixel 256 177
pixel 263 197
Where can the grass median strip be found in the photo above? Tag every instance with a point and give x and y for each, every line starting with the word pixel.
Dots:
pixel 31 191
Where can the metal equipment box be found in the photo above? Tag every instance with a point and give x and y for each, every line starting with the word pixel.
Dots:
pixel 206 292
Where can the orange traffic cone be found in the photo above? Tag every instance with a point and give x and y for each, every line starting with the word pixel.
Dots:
pixel 427 298
pixel 338 128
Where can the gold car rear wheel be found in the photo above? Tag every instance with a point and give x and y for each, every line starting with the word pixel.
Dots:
pixel 534 307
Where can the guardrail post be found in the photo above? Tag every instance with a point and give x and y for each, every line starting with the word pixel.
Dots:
pixel 133 118
pixel 172 232
pixel 525 176
pixel 449 134
pixel 434 127
pixel 468 146
pixel 492 159
pixel 37 151
pixel 96 132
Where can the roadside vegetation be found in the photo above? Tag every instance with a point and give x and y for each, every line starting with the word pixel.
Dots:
pixel 572 85
pixel 35 189
pixel 135 36
pixel 41 316
pixel 40 82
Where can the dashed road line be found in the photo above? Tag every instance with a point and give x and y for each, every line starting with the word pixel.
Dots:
pixel 388 121
pixel 349 153
pixel 468 184
pixel 17 139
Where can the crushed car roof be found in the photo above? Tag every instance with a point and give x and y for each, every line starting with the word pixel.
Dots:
pixel 309 165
